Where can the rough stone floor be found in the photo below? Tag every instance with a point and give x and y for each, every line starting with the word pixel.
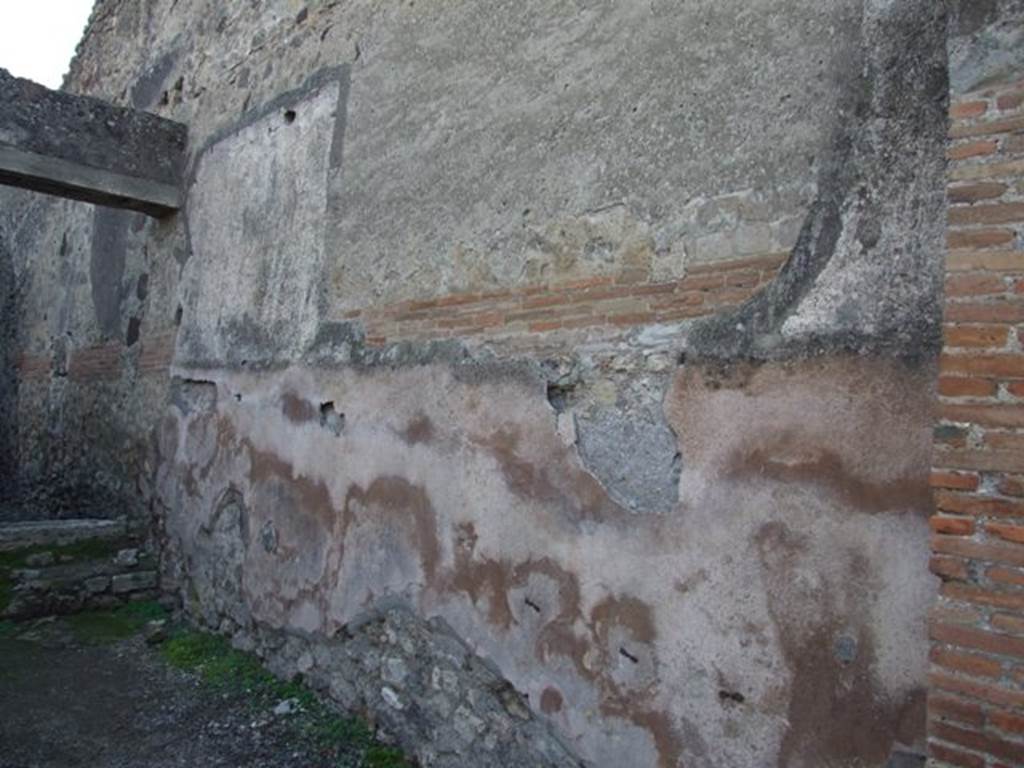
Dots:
pixel 66 701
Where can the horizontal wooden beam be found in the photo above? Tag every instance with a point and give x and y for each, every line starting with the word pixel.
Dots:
pixel 85 149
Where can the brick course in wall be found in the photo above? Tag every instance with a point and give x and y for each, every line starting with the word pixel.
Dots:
pixel 976 703
pixel 104 362
pixel 605 302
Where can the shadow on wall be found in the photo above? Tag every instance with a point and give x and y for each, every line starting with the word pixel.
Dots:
pixel 8 376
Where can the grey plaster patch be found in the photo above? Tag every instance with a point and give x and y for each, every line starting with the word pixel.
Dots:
pixel 255 221
pixel 986 42
pixel 282 102
pixel 628 445
pixel 336 343
pixel 107 266
pixel 865 273
pixel 611 408
pixel 845 648
pixel 192 395
pixel 222 542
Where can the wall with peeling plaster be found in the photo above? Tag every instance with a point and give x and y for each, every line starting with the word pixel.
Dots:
pixel 698 543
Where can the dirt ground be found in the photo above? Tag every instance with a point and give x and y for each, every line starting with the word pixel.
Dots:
pixel 65 702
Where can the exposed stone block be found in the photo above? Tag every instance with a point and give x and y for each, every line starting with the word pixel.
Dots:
pixel 439 701
pixel 133 582
pixel 58 532
pixel 97 584
pixel 85 149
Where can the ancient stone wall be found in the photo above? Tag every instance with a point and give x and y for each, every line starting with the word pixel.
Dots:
pixel 51 567
pixel 8 374
pixel 569 363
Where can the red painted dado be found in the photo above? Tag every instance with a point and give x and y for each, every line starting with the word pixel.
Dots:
pixel 976 702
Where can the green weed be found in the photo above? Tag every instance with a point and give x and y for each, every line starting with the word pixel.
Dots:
pixel 230 670
pixel 88 549
pixel 6 590
pixel 104 627
pixel 379 756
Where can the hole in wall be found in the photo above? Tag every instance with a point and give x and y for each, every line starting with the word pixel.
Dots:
pixel 845 648
pixel 289 116
pixel 134 328
pixel 331 419
pixel 558 396
pixel 177 315
pixel 733 696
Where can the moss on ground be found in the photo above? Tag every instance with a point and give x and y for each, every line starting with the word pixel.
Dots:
pixel 230 670
pixel 103 627
pixel 6 590
pixel 79 551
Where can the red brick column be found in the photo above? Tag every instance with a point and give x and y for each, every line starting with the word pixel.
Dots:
pixel 976 701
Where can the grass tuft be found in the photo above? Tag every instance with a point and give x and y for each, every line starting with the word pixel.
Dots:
pixel 105 627
pixel 379 756
pixel 230 670
pixel 6 590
